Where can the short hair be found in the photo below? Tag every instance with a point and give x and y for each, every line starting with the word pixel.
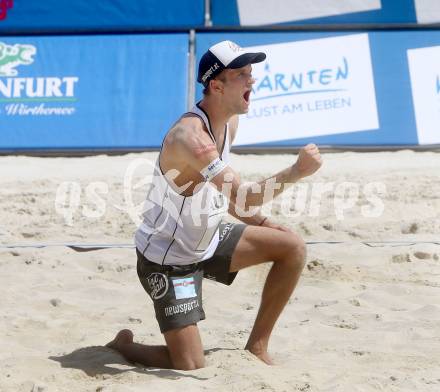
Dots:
pixel 220 76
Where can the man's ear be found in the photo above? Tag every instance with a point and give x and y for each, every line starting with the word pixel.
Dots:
pixel 216 85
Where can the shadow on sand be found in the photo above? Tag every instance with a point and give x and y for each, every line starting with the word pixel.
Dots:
pixel 100 360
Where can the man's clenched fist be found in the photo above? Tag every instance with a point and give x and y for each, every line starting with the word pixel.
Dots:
pixel 309 160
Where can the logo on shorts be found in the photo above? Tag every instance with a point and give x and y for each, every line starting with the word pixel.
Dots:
pixel 211 277
pixel 181 308
pixel 184 288
pixel 158 285
pixel 226 229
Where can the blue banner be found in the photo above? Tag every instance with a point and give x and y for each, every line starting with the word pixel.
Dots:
pixel 91 91
pixel 345 88
pixel 282 12
pixel 67 15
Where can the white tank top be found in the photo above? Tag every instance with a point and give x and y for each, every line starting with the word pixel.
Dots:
pixel 177 229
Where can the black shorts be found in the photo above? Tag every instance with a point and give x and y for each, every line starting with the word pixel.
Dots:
pixel 176 290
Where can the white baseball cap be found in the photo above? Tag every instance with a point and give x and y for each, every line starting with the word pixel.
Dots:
pixel 225 54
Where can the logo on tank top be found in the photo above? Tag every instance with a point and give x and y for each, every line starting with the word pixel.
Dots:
pixel 218 201
pixel 158 285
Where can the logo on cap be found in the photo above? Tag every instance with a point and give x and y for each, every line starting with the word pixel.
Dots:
pixel 234 47
pixel 209 72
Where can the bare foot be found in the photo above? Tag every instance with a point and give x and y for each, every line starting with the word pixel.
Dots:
pixel 123 337
pixel 261 354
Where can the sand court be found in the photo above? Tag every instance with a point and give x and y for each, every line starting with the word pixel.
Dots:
pixel 365 317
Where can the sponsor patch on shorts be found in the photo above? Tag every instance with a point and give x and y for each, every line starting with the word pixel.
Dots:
pixel 184 308
pixel 158 285
pixel 227 228
pixel 184 288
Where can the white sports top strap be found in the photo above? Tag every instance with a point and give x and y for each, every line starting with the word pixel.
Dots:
pixel 202 114
pixel 198 111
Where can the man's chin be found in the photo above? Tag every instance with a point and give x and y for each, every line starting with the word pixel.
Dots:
pixel 244 109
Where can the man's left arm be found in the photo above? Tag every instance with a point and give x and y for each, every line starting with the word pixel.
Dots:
pixel 308 162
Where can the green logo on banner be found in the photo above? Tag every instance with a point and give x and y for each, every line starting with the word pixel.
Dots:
pixel 11 56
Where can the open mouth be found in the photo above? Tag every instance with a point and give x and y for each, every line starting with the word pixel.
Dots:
pixel 246 96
